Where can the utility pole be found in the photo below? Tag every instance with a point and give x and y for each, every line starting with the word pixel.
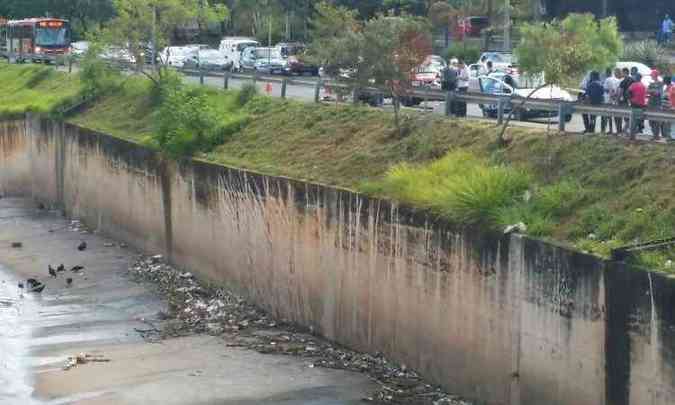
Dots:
pixel 154 37
pixel 507 26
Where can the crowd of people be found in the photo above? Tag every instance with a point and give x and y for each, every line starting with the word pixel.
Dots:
pixel 625 87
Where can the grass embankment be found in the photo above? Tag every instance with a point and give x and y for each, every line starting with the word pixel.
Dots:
pixel 595 192
pixel 34 88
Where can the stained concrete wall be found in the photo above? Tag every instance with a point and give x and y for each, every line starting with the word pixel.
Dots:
pixel 506 320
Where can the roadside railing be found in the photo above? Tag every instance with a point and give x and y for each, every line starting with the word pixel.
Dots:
pixel 503 104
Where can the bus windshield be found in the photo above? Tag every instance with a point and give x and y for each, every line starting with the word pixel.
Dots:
pixel 51 37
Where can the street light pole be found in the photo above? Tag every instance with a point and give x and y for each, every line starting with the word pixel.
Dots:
pixel 507 26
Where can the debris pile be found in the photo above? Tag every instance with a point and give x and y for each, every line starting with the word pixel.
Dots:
pixel 197 308
pixel 84 358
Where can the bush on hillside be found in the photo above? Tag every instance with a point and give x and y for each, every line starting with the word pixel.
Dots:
pixel 468 53
pixel 97 77
pixel 187 123
pixel 246 93
pixel 648 52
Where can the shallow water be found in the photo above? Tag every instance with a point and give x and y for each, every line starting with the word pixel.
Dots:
pixel 16 312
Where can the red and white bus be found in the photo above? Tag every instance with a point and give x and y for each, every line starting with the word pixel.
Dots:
pixel 34 39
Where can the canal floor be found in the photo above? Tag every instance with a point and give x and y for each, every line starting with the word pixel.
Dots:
pixel 99 317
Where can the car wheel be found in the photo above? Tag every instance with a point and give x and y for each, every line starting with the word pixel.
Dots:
pixel 518 115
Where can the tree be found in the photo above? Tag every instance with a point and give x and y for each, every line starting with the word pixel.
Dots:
pixel 564 51
pixel 393 48
pixel 139 23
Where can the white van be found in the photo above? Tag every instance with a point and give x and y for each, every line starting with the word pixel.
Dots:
pixel 176 55
pixel 232 47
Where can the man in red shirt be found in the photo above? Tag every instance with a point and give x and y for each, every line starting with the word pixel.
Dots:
pixel 638 99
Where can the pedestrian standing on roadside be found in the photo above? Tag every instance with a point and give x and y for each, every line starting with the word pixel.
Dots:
pixel 624 97
pixel 594 95
pixel 634 73
pixel 463 76
pixel 611 88
pixel 637 93
pixel 449 78
pixel 655 93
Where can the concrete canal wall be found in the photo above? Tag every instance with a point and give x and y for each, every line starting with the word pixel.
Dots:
pixel 505 320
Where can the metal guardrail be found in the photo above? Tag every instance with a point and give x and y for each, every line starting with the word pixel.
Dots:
pixel 504 103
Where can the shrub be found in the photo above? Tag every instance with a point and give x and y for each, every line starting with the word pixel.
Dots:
pixel 460 186
pixel 97 77
pixel 648 52
pixel 463 51
pixel 247 92
pixel 167 82
pixel 186 122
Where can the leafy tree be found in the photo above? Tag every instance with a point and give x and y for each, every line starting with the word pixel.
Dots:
pixel 393 47
pixel 139 23
pixel 337 39
pixel 564 51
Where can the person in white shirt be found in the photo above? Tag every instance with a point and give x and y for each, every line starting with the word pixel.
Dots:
pixel 463 76
pixel 611 87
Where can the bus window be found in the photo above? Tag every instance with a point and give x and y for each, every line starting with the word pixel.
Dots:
pixel 51 36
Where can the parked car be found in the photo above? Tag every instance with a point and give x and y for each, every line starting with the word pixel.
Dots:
pixel 116 54
pixel 504 61
pixel 473 26
pixel 233 48
pixel 207 59
pixel 267 60
pixel 293 52
pixel 271 62
pixel 79 48
pixel 502 84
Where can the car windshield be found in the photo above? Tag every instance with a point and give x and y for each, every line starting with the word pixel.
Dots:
pixel 245 45
pixel 501 57
pixel 51 36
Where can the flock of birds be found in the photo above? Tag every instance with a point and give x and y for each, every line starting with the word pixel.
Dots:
pixel 36 286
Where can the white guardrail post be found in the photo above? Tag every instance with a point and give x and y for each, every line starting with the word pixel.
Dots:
pixel 317 91
pixel 501 104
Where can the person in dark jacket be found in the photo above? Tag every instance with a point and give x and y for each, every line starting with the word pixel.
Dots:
pixel 594 95
pixel 624 97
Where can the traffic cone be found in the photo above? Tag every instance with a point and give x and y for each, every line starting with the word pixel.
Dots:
pixel 268 88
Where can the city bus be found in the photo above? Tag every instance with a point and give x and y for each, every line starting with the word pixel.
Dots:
pixel 34 39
